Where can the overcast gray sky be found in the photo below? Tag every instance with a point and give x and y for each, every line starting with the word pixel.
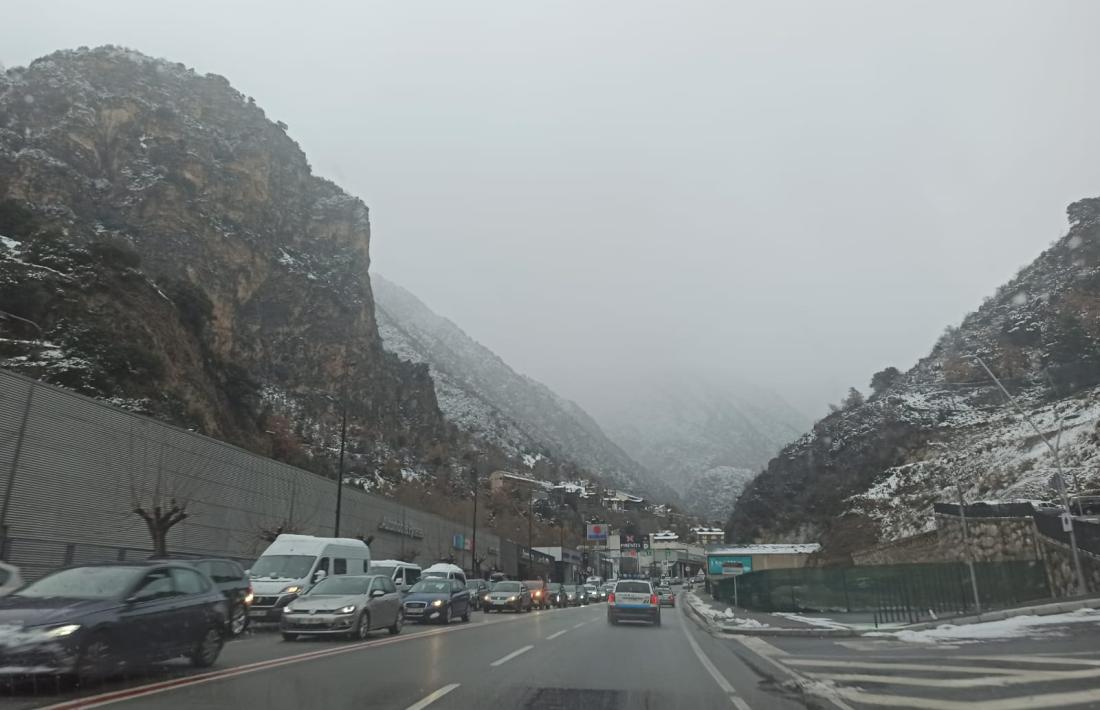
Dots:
pixel 798 193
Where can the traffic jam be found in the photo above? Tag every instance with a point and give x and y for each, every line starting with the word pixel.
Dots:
pixel 98 620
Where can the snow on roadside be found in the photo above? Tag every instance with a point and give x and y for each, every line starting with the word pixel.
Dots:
pixel 1014 627
pixel 721 617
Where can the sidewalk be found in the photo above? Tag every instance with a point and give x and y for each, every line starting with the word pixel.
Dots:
pixel 721 617
pixel 724 618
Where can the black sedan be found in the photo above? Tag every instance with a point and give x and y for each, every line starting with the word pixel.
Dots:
pixel 96 620
pixel 478 588
pixel 233 583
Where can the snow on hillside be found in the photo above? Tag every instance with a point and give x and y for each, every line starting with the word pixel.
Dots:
pixel 482 395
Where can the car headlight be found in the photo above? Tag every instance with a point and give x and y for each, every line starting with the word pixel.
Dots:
pixel 61 631
pixel 288 608
pixel 486 597
pixel 437 603
pixel 511 599
pixel 349 609
pixel 292 589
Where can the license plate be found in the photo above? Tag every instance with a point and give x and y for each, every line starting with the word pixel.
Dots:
pixel 257 614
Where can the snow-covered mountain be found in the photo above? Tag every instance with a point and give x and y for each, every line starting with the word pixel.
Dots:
pixel 713 493
pixel 485 397
pixel 682 425
pixel 872 470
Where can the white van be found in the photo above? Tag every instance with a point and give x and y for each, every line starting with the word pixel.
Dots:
pixel 443 570
pixel 403 574
pixel 294 563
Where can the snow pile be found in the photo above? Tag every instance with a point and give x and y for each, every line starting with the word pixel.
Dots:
pixel 1014 627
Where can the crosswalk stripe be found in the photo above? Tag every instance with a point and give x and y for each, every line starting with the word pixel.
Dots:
pixel 1022 702
pixel 872 665
pixel 1019 678
pixel 1064 659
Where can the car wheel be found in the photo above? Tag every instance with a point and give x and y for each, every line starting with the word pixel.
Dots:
pixel 362 627
pixel 290 637
pixel 208 649
pixel 95 657
pixel 397 623
pixel 657 621
pixel 611 620
pixel 238 620
pixel 466 616
pixel 447 615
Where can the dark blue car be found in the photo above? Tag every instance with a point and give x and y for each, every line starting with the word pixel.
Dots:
pixel 95 620
pixel 437 600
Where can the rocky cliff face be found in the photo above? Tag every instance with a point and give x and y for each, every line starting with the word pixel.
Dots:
pixel 483 396
pixel 180 257
pixel 872 471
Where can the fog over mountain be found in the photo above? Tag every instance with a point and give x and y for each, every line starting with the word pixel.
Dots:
pixel 798 194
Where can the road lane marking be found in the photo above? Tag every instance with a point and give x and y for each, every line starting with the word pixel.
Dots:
pixel 762 647
pixel 1020 702
pixel 1018 678
pixel 871 665
pixel 510 656
pixel 551 637
pixel 720 679
pixel 429 699
pixel 577 626
pixel 142 691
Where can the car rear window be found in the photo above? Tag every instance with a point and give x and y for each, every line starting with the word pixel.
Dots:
pixel 507 587
pixel 633 587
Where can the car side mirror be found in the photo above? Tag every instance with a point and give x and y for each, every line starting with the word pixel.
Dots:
pixel 377 593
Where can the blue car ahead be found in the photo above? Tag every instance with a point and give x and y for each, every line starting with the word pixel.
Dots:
pixel 437 600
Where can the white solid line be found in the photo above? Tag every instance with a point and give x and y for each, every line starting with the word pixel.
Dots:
pixel 428 700
pixel 510 656
pixel 551 637
pixel 720 679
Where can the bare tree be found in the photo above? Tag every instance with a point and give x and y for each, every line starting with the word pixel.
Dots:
pixel 162 506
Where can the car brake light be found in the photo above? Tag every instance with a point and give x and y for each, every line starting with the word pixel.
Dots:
pixel 653 599
pixel 611 598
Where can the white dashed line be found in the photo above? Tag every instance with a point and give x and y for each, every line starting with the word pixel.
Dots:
pixel 551 637
pixel 510 656
pixel 428 700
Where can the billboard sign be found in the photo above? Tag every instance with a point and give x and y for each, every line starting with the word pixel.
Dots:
pixel 597 532
pixel 723 565
pixel 633 542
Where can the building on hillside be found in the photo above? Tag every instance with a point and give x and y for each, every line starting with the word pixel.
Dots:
pixel 708 536
pixel 506 480
pixel 618 500
pixel 722 559
pixel 663 536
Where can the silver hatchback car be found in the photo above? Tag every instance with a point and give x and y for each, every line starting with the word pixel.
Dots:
pixel 350 606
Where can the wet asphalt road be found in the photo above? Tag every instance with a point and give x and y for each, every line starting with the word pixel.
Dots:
pixel 562 658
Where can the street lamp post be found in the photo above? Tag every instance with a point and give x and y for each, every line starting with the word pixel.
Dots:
pixel 965 533
pixel 343 445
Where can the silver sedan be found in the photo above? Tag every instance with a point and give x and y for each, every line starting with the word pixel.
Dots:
pixel 350 606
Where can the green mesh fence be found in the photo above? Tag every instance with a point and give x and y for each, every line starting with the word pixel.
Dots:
pixel 905 593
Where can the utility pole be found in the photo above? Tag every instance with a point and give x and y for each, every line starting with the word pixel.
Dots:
pixel 473 543
pixel 965 532
pixel 530 531
pixel 343 444
pixel 1061 480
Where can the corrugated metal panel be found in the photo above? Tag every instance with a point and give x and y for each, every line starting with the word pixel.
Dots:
pixel 84 465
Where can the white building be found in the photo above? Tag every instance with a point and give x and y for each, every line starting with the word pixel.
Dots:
pixel 709 536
